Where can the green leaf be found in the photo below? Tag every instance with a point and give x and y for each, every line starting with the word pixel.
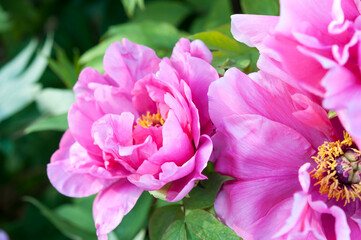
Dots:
pixel 226 51
pixel 67 228
pixel 176 231
pixel 54 101
pixel 58 123
pixel 162 218
pixel 217 14
pixel 66 70
pixel 136 219
pixel 205 193
pixel 163 11
pixel 77 216
pixel 206 226
pixel 129 6
pixel 4 20
pixel 159 36
pixel 261 7
pixel 79 213
pixel 17 83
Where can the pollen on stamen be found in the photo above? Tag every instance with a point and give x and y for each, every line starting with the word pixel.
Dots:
pixel 338 170
pixel 151 120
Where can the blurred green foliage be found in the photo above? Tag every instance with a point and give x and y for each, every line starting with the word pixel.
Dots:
pixel 34 100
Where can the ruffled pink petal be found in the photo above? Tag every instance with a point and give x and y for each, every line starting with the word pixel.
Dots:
pixel 168 76
pixel 111 100
pixel 89 77
pixel 252 29
pixel 112 204
pixel 177 146
pixel 196 129
pixel 73 184
pixel 142 97
pixel 135 155
pixel 236 93
pixel 343 96
pixel 185 48
pixel 252 147
pixel 200 76
pixel 180 188
pixel 294 61
pixel 81 117
pixel 334 221
pixel 314 116
pixel 140 134
pixel 294 13
pixel 112 131
pixel 272 67
pixel 127 62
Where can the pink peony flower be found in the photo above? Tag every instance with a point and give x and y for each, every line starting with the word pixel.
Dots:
pixel 315 45
pixel 294 176
pixel 142 126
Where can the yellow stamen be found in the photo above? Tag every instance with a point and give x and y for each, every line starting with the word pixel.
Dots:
pixel 326 173
pixel 151 120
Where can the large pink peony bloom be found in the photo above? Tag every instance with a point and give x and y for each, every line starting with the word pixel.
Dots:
pixel 294 175
pixel 143 125
pixel 317 43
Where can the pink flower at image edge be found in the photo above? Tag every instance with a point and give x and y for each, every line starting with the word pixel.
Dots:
pixel 313 45
pixel 267 134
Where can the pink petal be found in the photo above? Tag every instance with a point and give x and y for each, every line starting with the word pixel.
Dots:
pixel 295 12
pixel 177 146
pixel 256 209
pixel 63 152
pixel 87 79
pixel 111 100
pixel 237 94
pixel 294 61
pixel 81 117
pixel 245 148
pixel 185 48
pixel 180 188
pixel 142 100
pixel 112 131
pixel 252 29
pixel 112 204
pixel 195 124
pixel 127 62
pixel 73 184
pixel 199 78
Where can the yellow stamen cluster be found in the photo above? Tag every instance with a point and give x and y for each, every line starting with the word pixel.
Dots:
pixel 151 120
pixel 326 173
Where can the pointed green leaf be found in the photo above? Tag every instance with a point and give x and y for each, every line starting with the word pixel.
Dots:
pixel 204 194
pixel 176 231
pixel 162 218
pixel 207 227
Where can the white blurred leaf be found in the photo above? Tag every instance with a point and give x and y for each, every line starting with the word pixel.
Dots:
pixel 17 81
pixel 53 101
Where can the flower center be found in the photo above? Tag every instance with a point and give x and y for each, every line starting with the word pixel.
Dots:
pixel 151 120
pixel 338 170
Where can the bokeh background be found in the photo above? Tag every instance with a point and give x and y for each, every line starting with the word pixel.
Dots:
pixel 44 44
